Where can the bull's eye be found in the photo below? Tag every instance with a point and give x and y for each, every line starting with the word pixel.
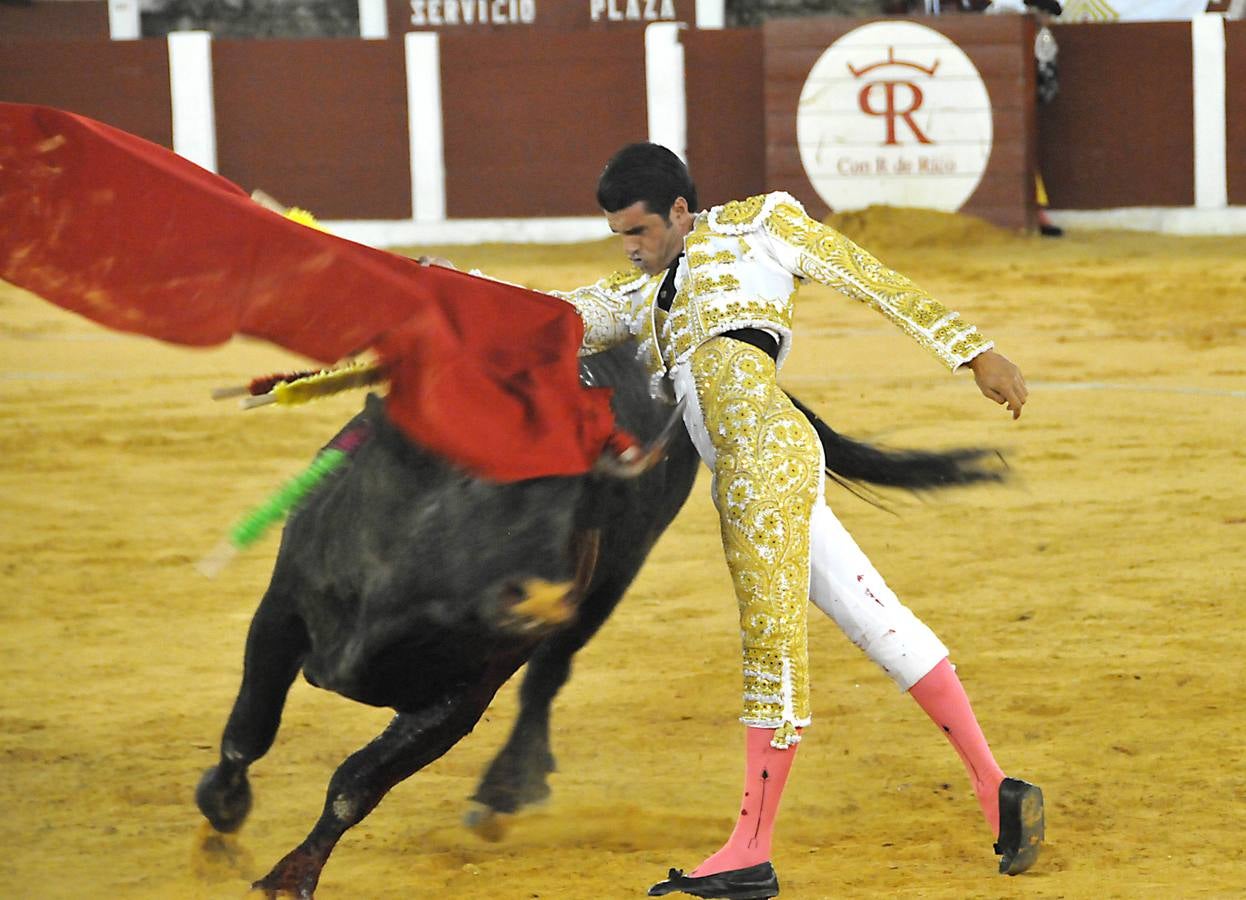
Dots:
pixel 513 592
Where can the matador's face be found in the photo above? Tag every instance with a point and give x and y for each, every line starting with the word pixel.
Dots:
pixel 651 240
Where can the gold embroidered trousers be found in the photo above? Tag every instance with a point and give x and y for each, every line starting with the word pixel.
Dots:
pixel 767 465
pixel 782 543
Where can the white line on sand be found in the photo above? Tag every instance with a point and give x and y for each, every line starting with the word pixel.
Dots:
pixel 1043 385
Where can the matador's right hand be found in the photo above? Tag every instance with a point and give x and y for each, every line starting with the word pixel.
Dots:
pixel 999 379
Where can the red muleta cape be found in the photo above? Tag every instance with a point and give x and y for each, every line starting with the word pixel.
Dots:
pixel 133 236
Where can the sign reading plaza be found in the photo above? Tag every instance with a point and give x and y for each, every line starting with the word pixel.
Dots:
pixel 441 13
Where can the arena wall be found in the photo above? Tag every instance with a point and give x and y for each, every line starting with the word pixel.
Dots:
pixel 1148 131
pixel 63 19
pixel 1000 47
pixel 291 119
pixel 453 132
pixel 725 89
pixel 123 83
pixel 494 16
pixel 530 118
pixel 1109 107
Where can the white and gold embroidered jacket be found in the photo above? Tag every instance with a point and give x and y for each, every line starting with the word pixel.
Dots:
pixel 742 264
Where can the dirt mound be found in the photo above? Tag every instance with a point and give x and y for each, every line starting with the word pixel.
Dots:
pixel 894 227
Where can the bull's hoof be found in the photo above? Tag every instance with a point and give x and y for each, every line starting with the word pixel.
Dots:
pixel 533 792
pixel 515 779
pixel 295 876
pixel 487 824
pixel 259 890
pixel 509 797
pixel 224 801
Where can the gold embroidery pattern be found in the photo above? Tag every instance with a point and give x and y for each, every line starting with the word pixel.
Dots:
pixel 829 257
pixel 743 216
pixel 724 313
pixel 766 479
pixel 722 257
pixel 682 331
pixel 711 284
pixel 741 212
pixel 604 308
pixel 966 349
pixel 713 299
pixel 699 236
pixel 624 280
pixel 693 322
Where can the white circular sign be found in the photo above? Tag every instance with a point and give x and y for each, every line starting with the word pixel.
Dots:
pixel 894 113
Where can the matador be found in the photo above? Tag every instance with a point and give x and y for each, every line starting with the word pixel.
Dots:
pixel 710 301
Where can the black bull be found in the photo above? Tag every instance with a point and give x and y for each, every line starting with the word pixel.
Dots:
pixel 403 583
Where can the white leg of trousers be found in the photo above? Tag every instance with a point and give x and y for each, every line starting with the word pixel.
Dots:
pixel 844 584
pixel 847 587
pixel 694 421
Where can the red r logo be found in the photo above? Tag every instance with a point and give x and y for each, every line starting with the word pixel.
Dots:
pixel 890 108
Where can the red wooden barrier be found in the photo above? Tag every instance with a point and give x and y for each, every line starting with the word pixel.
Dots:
pixel 531 113
pixel 316 123
pixel 1120 131
pixel 1235 110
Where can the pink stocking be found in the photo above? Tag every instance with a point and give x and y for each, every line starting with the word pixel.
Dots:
pixel 942 696
pixel 765 774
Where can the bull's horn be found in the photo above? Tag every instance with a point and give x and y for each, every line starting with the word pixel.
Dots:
pixel 636 461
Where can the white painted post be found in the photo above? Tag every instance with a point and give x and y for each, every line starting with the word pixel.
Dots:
pixel 1211 186
pixel 424 125
pixel 665 92
pixel 194 109
pixel 373 19
pixel 711 14
pixel 124 23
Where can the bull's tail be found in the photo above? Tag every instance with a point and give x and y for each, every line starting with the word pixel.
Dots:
pixel 915 470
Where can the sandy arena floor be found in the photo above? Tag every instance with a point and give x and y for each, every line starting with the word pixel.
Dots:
pixel 1094 609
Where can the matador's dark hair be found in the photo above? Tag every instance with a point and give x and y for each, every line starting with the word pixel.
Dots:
pixel 649 173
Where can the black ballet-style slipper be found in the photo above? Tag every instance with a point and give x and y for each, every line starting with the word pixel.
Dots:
pixel 1021 826
pixel 757 882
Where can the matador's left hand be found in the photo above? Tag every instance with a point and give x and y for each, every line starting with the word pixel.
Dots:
pixel 1000 380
